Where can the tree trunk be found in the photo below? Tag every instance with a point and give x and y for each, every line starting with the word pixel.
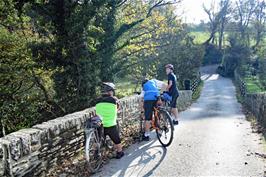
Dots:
pixel 108 45
pixel 221 34
pixel 3 128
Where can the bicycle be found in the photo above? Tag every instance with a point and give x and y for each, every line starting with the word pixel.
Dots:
pixel 161 122
pixel 96 143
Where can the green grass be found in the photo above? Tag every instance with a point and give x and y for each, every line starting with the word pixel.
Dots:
pixel 126 88
pixel 200 37
pixel 253 85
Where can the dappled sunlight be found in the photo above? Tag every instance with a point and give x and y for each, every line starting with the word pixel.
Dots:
pixel 148 158
pixel 205 76
pixel 140 157
pixel 196 109
pixel 213 77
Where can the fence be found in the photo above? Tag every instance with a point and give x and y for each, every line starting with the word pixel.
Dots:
pixel 255 102
pixel 195 84
pixel 241 84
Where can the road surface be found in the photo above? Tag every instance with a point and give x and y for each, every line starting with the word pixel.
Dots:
pixel 213 139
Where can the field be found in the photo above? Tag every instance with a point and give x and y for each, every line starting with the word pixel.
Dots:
pixel 200 37
pixel 126 88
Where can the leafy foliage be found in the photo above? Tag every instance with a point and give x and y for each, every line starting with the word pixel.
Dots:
pixel 55 54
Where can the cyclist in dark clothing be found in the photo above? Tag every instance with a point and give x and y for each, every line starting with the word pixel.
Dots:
pixel 173 91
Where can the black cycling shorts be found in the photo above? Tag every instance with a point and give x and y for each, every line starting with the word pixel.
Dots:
pixel 148 109
pixel 113 133
pixel 174 101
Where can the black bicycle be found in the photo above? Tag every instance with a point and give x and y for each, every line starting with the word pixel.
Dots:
pixel 161 122
pixel 96 143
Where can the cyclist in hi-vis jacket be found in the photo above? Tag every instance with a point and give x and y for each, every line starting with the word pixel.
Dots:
pixel 106 108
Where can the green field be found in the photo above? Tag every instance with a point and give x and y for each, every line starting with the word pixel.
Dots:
pixel 126 88
pixel 200 37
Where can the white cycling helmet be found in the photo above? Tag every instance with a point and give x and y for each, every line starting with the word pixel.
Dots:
pixel 108 86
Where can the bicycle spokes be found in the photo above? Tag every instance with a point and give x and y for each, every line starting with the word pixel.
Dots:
pixel 93 152
pixel 165 128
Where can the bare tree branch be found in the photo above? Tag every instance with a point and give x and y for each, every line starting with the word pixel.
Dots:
pixel 121 2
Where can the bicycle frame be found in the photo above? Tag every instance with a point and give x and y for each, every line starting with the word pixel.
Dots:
pixel 158 122
pixel 155 118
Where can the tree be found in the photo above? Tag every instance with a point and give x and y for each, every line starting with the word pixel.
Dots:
pixel 259 22
pixel 224 11
pixel 65 28
pixel 214 19
pixel 55 54
pixel 217 20
pixel 115 32
pixel 244 12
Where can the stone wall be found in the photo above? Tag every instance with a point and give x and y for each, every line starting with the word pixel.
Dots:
pixel 34 151
pixel 184 100
pixel 256 103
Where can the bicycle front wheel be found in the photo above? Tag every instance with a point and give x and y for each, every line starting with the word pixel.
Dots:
pixel 93 152
pixel 165 128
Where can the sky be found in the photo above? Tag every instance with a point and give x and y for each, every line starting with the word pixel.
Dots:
pixel 193 11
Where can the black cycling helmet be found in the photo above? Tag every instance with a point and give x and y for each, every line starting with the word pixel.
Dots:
pixel 108 86
pixel 144 81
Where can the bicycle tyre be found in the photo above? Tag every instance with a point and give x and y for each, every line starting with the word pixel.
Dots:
pixel 93 156
pixel 165 116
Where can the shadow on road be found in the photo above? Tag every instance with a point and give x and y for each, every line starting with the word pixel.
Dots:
pixel 142 156
pixel 158 163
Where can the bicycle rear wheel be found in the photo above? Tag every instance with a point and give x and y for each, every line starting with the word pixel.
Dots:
pixel 165 128
pixel 93 152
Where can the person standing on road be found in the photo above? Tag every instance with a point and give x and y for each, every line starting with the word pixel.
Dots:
pixel 172 90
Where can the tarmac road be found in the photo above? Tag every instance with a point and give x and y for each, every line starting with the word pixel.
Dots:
pixel 213 139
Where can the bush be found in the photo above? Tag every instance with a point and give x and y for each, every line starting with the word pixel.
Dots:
pixel 212 55
pixel 236 55
pixel 262 72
